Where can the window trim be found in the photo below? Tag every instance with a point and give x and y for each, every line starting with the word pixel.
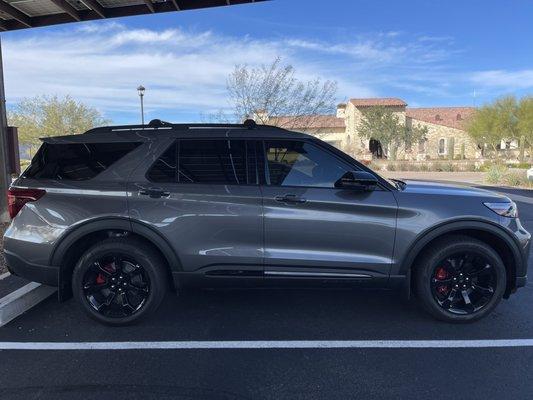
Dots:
pixel 177 142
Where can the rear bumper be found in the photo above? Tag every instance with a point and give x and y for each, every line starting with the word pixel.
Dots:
pixel 37 273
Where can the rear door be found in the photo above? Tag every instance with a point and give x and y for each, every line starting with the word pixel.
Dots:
pixel 313 229
pixel 202 196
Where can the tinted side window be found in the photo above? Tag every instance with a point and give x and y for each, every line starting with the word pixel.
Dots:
pixel 295 163
pixel 164 169
pixel 76 161
pixel 207 161
pixel 212 161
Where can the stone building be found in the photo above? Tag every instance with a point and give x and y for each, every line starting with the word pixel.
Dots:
pixel 445 127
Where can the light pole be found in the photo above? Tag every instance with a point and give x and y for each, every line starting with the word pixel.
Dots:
pixel 141 90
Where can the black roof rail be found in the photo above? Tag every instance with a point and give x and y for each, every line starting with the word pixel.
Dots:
pixel 157 124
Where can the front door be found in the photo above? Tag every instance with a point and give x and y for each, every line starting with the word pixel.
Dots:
pixel 313 229
pixel 201 196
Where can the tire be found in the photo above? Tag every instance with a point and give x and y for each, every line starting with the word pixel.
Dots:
pixel 119 281
pixel 439 271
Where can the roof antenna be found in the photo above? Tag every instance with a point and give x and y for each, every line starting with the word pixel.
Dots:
pixel 250 123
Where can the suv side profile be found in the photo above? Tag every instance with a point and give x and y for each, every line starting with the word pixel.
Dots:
pixel 119 215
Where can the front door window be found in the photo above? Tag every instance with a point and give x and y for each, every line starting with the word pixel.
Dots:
pixel 298 163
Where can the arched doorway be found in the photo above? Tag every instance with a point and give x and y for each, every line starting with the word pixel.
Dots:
pixel 375 148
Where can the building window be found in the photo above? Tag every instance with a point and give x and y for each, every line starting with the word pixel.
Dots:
pixel 442 146
pixel 422 146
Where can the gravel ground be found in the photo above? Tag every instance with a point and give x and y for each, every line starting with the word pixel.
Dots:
pixel 3 268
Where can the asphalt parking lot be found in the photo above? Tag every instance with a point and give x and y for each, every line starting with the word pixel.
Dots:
pixel 317 316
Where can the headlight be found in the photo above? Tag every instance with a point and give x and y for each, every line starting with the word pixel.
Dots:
pixel 505 209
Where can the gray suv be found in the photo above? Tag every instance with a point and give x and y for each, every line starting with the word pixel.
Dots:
pixel 119 215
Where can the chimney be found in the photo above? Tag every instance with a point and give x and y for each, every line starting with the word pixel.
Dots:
pixel 341 110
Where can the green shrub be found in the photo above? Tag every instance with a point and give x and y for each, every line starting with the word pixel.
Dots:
pixel 391 167
pixel 424 167
pixel 523 165
pixel 448 167
pixel 403 167
pixel 496 173
pixel 515 179
pixel 470 167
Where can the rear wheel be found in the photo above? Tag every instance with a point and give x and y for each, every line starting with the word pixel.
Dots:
pixel 460 279
pixel 119 281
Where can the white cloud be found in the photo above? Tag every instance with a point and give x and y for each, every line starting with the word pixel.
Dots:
pixel 185 72
pixel 502 79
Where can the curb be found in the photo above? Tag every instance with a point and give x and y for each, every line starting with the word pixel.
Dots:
pixel 22 299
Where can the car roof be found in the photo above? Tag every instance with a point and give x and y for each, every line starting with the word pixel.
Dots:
pixel 136 133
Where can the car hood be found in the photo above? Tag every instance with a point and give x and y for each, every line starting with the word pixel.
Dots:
pixel 451 190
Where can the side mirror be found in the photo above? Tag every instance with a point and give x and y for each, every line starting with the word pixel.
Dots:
pixel 357 180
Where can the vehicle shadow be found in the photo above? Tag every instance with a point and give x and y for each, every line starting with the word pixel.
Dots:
pixel 274 314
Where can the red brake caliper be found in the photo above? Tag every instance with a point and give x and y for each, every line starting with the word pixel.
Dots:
pixel 440 275
pixel 100 279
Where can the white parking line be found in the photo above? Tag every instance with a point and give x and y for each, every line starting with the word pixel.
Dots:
pixel 269 344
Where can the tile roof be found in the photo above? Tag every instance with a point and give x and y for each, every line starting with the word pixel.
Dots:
pixel 453 117
pixel 373 102
pixel 313 122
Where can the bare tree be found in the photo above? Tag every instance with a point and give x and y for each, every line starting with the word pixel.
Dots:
pixel 271 94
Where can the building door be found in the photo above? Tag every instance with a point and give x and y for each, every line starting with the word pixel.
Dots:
pixel 375 148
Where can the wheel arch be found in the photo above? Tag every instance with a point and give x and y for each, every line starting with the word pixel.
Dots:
pixel 489 233
pixel 75 242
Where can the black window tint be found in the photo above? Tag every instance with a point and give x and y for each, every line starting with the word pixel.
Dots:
pixel 76 161
pixel 295 163
pixel 212 161
pixel 164 169
pixel 251 165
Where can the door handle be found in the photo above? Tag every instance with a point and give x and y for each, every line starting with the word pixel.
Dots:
pixel 154 193
pixel 290 198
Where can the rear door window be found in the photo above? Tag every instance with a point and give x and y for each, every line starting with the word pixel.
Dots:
pixel 230 162
pixel 76 161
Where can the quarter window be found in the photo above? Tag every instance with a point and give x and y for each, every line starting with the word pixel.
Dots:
pixel 295 163
pixel 76 161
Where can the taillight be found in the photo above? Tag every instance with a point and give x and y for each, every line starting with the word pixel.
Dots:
pixel 17 197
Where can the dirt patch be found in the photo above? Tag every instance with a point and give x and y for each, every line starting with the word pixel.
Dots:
pixel 3 268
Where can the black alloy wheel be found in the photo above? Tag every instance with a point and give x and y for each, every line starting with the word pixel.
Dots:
pixel 120 280
pixel 459 279
pixel 116 286
pixel 463 283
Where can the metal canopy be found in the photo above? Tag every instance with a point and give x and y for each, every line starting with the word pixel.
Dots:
pixel 22 14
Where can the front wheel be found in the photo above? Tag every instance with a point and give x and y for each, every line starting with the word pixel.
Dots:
pixel 460 279
pixel 119 280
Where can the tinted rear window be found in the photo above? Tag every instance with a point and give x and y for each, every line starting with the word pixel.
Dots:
pixel 76 162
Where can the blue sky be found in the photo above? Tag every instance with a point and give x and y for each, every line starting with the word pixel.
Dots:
pixel 429 53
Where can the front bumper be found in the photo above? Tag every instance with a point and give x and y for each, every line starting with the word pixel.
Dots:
pixel 45 274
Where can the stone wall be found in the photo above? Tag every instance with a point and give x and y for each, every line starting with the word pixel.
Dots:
pixel 430 150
